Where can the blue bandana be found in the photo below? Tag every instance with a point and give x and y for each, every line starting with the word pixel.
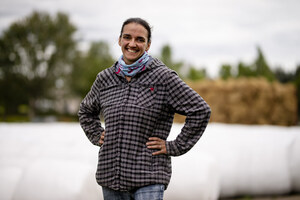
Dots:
pixel 134 68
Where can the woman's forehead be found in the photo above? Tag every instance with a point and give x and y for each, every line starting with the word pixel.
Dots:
pixel 135 29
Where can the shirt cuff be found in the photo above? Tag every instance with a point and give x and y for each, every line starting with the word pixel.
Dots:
pixel 172 149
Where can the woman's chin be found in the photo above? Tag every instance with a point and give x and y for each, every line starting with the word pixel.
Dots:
pixel 130 59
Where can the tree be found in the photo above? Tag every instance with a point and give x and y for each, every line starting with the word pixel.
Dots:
pixel 36 54
pixel 245 71
pixel 282 76
pixel 261 67
pixel 225 71
pixel 297 83
pixel 196 74
pixel 166 55
pixel 87 66
pixel 166 58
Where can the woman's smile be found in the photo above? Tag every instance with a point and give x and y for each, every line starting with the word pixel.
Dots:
pixel 132 51
pixel 133 42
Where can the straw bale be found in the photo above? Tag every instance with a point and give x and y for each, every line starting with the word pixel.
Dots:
pixel 248 101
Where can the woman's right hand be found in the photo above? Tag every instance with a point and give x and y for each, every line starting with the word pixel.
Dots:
pixel 102 138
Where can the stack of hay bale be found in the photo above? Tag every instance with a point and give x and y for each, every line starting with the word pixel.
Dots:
pixel 248 101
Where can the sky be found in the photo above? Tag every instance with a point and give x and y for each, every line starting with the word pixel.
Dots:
pixel 203 33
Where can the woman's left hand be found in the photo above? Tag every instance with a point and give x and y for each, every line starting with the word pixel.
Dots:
pixel 157 143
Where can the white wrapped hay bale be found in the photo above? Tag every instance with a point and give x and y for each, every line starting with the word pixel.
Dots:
pixel 295 161
pixel 56 161
pixel 252 162
pixel 48 179
pixel 9 179
pixel 195 176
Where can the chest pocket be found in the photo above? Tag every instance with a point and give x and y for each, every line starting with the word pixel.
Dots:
pixel 146 96
pixel 111 95
pixel 151 96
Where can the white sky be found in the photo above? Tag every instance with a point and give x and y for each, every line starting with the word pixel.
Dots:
pixel 203 33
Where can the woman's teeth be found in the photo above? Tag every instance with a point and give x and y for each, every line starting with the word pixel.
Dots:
pixel 132 51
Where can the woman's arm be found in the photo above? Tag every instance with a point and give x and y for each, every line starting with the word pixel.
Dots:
pixel 89 112
pixel 186 101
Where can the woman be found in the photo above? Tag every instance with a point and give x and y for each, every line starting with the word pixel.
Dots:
pixel 138 97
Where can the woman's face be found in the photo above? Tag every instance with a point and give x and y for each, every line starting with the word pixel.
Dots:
pixel 133 42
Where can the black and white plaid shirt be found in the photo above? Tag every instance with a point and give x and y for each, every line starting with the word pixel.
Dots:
pixel 134 111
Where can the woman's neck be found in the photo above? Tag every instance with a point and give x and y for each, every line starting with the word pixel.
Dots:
pixel 128 78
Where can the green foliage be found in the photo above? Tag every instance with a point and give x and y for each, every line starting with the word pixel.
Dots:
pixel 87 66
pixel 166 58
pixel 35 52
pixel 15 118
pixel 225 71
pixel 39 61
pixel 193 73
pixel 196 74
pixel 166 55
pixel 245 71
pixel 261 67
pixel 296 81
pixel 282 76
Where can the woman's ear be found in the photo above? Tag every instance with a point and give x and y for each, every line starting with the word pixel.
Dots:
pixel 148 46
pixel 119 41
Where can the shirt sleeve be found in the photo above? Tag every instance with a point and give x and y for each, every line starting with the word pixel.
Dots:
pixel 89 112
pixel 185 101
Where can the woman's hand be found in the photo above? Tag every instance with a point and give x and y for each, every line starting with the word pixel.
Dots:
pixel 157 143
pixel 101 141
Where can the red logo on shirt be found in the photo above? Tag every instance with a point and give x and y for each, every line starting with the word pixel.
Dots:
pixel 152 89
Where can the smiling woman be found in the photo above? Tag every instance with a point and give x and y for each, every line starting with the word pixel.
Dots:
pixel 138 97
pixel 134 41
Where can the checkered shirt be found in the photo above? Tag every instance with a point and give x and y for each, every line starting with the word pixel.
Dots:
pixel 134 111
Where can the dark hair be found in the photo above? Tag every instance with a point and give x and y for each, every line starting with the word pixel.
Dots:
pixel 139 21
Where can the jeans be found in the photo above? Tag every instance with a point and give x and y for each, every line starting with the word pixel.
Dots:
pixel 150 192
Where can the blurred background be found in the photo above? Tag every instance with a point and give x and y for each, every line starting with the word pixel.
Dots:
pixel 52 50
pixel 242 57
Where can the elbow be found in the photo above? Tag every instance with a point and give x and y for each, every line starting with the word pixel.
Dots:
pixel 208 112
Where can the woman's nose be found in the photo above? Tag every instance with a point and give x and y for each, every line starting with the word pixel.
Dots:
pixel 132 43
